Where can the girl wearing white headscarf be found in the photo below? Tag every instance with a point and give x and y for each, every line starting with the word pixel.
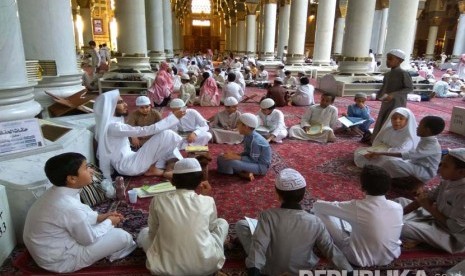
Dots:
pixel 390 139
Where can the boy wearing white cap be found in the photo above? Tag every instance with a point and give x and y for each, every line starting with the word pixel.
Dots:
pixel 441 88
pixel 323 116
pixel 437 217
pixel 366 230
pixel 283 241
pixel 224 124
pixel 256 157
pixel 232 89
pixel 187 91
pixel 145 115
pixel 358 112
pixel 456 85
pixel 184 235
pixel 192 127
pixel 271 122
pixel 397 83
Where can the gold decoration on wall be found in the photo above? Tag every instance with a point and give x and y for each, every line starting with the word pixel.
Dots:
pixel 461 5
pixel 343 8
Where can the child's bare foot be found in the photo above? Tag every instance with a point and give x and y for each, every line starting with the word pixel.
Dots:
pixel 247 175
pixel 154 171
pixel 409 244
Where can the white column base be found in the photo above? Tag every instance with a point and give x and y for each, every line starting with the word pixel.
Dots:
pixel 18 103
pixel 353 66
pixel 169 53
pixel 156 56
pixel 294 58
pixel 270 64
pixel 137 63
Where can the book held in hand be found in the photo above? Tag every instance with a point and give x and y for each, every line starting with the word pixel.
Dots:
pixel 315 128
pixel 151 190
pixel 351 121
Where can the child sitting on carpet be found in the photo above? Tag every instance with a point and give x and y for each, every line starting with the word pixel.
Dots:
pixel 184 235
pixel 421 162
pixel 358 112
pixel 284 238
pixel 440 222
pixel 271 122
pixel 256 157
pixel 64 235
pixel 366 230
pixel 223 127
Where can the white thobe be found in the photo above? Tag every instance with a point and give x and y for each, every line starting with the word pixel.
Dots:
pixel 290 81
pixel 193 122
pixel 223 128
pixel 422 162
pixel 281 74
pixel 327 117
pixel 232 89
pixel 275 125
pixel 303 95
pixel 375 223
pixel 188 93
pixel 63 235
pixel 262 76
pixel 184 235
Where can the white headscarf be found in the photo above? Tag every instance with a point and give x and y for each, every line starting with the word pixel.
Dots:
pixel 409 132
pixel 104 110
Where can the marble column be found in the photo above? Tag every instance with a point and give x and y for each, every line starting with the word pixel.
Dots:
pixel 47 30
pixel 241 35
pixel 77 36
pixel 283 28
pixel 227 33
pixel 297 29
pixel 401 29
pixel 432 36
pixel 167 28
pixel 375 31
pixel 260 29
pixel 357 36
pixel 16 94
pixel 86 25
pixel 324 32
pixel 251 30
pixel 233 46
pixel 339 35
pixel 132 34
pixel 459 44
pixel 382 32
pixel 176 31
pixel 154 25
pixel 269 30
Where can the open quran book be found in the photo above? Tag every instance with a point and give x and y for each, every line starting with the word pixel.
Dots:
pixel 197 149
pixel 151 190
pixel 351 121
pixel 315 129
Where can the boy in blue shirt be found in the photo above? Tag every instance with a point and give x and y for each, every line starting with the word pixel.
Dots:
pixel 358 112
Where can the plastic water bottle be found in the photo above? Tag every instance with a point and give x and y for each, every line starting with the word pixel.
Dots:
pixel 120 188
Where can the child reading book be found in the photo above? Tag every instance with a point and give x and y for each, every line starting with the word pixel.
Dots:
pixel 359 115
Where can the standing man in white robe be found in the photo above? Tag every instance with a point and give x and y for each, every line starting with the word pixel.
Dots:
pixel 114 149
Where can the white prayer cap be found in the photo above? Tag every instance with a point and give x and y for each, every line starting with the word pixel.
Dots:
pixel 278 79
pixel 290 180
pixel 302 73
pixel 230 101
pixel 455 76
pixel 360 95
pixel 249 120
pixel 185 77
pixel 266 103
pixel 247 68
pixel 398 53
pixel 281 64
pixel 446 76
pixel 177 103
pixel 458 153
pixel 187 165
pixel 142 100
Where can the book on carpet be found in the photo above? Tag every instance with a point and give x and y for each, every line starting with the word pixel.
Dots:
pixel 151 190
pixel 315 128
pixel 262 129
pixel 351 121
pixel 197 149
pixel 252 224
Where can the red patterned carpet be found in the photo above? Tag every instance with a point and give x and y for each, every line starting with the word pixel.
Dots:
pixel 330 175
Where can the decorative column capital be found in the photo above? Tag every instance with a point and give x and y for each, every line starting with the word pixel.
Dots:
pixel 241 15
pixel 461 5
pixel 435 21
pixel 251 6
pixel 343 8
pixel 282 3
pixel 271 1
pixel 382 4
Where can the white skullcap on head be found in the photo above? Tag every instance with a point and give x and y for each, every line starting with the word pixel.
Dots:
pixel 185 77
pixel 278 79
pixel 267 103
pixel 247 68
pixel 458 153
pixel 302 73
pixel 455 76
pixel 187 165
pixel 360 95
pixel 290 180
pixel 177 103
pixel 398 53
pixel 446 76
pixel 249 120
pixel 142 100
pixel 230 101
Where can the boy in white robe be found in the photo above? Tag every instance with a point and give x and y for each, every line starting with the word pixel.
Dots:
pixel 422 162
pixel 224 124
pixel 271 122
pixel 192 126
pixel 289 80
pixel 437 218
pixel 184 235
pixel 62 234
pixel 283 241
pixel 114 149
pixel 232 89
pixel 366 230
pixel 323 115
pixel 187 91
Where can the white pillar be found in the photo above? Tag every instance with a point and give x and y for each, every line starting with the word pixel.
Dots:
pixel 401 29
pixel 233 46
pixel 16 94
pixel 339 35
pixel 375 31
pixel 269 30
pixel 459 44
pixel 176 47
pixel 382 32
pixel 86 25
pixel 357 36
pixel 241 37
pixel 78 40
pixel 167 28
pixel 132 34
pixel 227 32
pixel 283 29
pixel 297 29
pixel 324 32
pixel 260 30
pixel 154 24
pixel 47 30
pixel 432 35
pixel 251 34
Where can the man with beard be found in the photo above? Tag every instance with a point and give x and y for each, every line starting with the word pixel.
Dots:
pixel 114 150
